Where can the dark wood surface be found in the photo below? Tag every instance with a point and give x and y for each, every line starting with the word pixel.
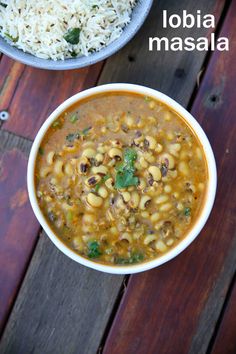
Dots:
pixel 66 308
pixel 19 228
pixel 176 307
pixel 225 341
pixel 30 94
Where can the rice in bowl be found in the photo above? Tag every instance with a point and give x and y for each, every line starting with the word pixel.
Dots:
pixel 60 29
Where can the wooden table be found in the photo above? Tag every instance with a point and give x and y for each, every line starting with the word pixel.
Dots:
pixel 50 304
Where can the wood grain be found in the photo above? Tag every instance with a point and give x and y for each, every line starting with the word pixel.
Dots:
pixel 176 306
pixel 173 73
pixel 62 308
pixel 225 342
pixel 30 94
pixel 73 334
pixel 19 227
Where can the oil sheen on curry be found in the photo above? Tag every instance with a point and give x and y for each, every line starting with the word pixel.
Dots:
pixel 120 178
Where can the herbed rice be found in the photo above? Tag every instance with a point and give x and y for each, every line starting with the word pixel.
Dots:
pixel 38 26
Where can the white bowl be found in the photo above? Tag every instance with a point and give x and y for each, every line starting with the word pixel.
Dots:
pixel 210 193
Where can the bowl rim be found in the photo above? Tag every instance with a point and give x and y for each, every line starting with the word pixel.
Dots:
pixel 129 31
pixel 209 198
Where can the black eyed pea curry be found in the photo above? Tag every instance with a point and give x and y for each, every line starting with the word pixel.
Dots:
pixel 120 178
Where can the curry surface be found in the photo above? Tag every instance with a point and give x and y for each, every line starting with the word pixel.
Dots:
pixel 120 178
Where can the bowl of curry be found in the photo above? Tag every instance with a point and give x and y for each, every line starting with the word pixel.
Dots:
pixel 122 178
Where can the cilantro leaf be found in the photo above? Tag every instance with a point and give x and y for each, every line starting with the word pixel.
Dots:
pixel 125 179
pixel 135 257
pixel 74 118
pixel 93 250
pixel 130 156
pixel 41 151
pixel 72 136
pixel 72 36
pixel 187 211
pixel 125 171
pixel 85 131
pixel 11 38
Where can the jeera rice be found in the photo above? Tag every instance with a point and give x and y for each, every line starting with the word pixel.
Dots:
pixel 60 29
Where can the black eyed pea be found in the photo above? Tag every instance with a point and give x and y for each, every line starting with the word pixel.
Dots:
pixel 183 168
pixel 99 157
pixel 110 184
pixel 92 181
pixel 100 170
pixel 158 148
pixel 89 219
pixel 120 203
pixel 149 157
pixel 83 165
pixel 50 157
pixel 152 104
pixel 144 202
pixel 138 138
pixel 69 149
pixel 59 168
pixel 143 162
pixel 168 160
pixel 89 153
pixel 142 184
pixel 130 121
pixel 170 242
pixel 150 142
pixel 160 246
pixel 103 192
pixel 155 173
pixel 134 200
pixel 94 200
pixel 45 171
pixel 117 144
pixel 174 149
pixel 68 169
pixel 115 153
pixel 126 196
pixel 126 236
pixel 78 244
pixel 88 144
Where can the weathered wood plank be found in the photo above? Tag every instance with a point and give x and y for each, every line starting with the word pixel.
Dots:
pixel 225 342
pixel 30 94
pixel 173 73
pixel 19 227
pixel 20 321
pixel 63 306
pixel 176 307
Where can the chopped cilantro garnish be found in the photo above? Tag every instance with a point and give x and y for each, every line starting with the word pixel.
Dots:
pixel 125 171
pixel 11 38
pixel 57 124
pixel 135 257
pixel 93 249
pixel 71 137
pixel 74 118
pixel 187 211
pixel 72 36
pixel 41 151
pixel 85 131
